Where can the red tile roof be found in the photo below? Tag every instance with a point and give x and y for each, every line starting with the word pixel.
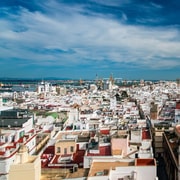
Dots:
pixel 78 157
pixel 2 153
pixel 178 105
pixel 103 151
pixel 10 147
pixel 49 150
pixel 104 131
pixel 146 134
pixel 145 162
pixel 55 159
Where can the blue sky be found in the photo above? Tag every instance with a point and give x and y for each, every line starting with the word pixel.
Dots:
pixel 131 39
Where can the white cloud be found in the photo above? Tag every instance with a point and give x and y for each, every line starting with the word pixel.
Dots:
pixel 112 3
pixel 94 38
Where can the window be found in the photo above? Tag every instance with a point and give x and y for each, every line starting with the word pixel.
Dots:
pixel 65 150
pixel 71 149
pixel 58 149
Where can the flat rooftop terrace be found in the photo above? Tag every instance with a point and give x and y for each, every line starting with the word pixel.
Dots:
pixel 106 166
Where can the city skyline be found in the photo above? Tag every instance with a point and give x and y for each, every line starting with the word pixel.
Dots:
pixel 132 39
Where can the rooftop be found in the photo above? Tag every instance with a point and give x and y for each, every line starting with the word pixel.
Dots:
pixel 105 166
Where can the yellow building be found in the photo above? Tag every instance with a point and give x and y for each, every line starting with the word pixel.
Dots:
pixel 25 166
pixel 65 146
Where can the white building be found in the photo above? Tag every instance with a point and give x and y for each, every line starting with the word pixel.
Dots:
pixel 122 169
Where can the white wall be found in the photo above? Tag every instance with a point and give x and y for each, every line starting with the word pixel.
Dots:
pixel 140 172
pixel 28 125
pixel 5 164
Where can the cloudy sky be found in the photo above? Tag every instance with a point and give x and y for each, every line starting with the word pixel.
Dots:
pixel 131 39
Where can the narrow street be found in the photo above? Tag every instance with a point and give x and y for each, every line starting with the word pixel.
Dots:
pixel 161 170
